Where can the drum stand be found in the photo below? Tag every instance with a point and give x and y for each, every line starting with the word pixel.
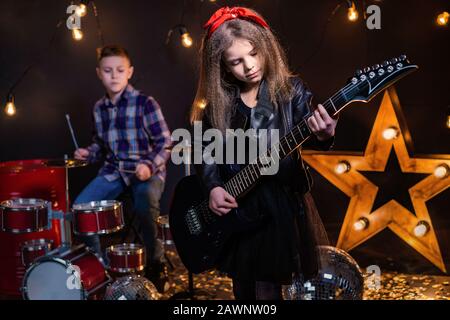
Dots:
pixel 191 292
pixel 66 235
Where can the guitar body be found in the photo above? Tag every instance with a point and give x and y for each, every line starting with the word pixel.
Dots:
pixel 199 236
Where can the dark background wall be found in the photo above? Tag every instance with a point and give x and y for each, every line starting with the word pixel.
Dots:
pixel 64 81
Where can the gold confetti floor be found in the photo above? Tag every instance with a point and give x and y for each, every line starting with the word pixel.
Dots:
pixel 212 285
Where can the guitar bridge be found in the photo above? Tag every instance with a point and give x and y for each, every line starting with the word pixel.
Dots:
pixel 193 222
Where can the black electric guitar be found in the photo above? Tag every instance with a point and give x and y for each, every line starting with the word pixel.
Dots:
pixel 199 234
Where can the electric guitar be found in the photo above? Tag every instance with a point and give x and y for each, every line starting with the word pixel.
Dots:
pixel 199 234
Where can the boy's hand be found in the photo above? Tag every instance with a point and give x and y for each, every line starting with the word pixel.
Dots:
pixel 143 172
pixel 220 201
pixel 81 154
pixel 321 124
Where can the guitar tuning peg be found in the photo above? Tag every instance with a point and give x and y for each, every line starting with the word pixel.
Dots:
pixel 375 67
pixel 385 63
pixel 402 57
pixel 393 61
pixel 367 69
pixel 358 72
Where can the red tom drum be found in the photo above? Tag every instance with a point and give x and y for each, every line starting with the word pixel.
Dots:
pixel 126 258
pixel 33 249
pixel 97 217
pixel 24 215
pixel 164 230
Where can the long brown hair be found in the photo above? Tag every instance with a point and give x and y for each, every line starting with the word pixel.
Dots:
pixel 215 84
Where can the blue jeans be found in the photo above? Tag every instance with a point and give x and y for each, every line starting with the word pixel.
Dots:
pixel 146 196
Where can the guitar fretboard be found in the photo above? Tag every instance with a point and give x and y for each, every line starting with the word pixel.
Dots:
pixel 245 179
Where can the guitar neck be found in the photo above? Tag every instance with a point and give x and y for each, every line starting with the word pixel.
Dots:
pixel 245 179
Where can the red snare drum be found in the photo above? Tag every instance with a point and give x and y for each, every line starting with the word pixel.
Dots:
pixel 164 230
pixel 76 274
pixel 126 257
pixel 33 249
pixel 97 217
pixel 24 215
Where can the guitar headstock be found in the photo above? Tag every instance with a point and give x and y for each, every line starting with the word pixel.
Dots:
pixel 369 81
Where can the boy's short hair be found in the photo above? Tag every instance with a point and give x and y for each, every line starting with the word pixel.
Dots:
pixel 112 50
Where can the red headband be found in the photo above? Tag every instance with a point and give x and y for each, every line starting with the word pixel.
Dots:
pixel 226 13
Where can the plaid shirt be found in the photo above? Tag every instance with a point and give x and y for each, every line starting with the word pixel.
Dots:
pixel 131 132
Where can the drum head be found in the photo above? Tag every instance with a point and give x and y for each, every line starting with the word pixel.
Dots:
pixel 53 280
pixel 24 203
pixel 95 206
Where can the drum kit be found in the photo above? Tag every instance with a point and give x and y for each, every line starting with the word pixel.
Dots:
pixel 69 272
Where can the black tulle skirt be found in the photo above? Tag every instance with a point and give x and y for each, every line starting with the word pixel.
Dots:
pixel 270 251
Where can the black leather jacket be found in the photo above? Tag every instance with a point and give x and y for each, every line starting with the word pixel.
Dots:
pixel 293 171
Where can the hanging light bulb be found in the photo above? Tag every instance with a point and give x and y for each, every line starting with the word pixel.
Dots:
pixel 81 11
pixel 342 167
pixel 77 34
pixel 352 13
pixel 186 39
pixel 448 117
pixel 441 171
pixel 361 224
pixel 201 104
pixel 442 19
pixel 10 108
pixel 390 133
pixel 421 228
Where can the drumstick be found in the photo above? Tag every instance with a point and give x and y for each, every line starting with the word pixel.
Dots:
pixel 127 171
pixel 71 132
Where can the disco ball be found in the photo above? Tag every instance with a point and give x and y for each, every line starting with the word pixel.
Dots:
pixel 339 278
pixel 132 287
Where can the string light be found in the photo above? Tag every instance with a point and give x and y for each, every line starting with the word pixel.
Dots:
pixel 77 34
pixel 441 171
pixel 10 108
pixel 342 167
pixel 202 104
pixel 390 133
pixel 361 224
pixel 448 117
pixel 442 19
pixel 352 13
pixel 186 39
pixel 421 228
pixel 81 11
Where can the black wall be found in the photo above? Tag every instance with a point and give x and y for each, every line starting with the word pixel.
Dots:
pixel 64 81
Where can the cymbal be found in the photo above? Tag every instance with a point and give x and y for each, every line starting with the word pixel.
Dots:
pixel 65 163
